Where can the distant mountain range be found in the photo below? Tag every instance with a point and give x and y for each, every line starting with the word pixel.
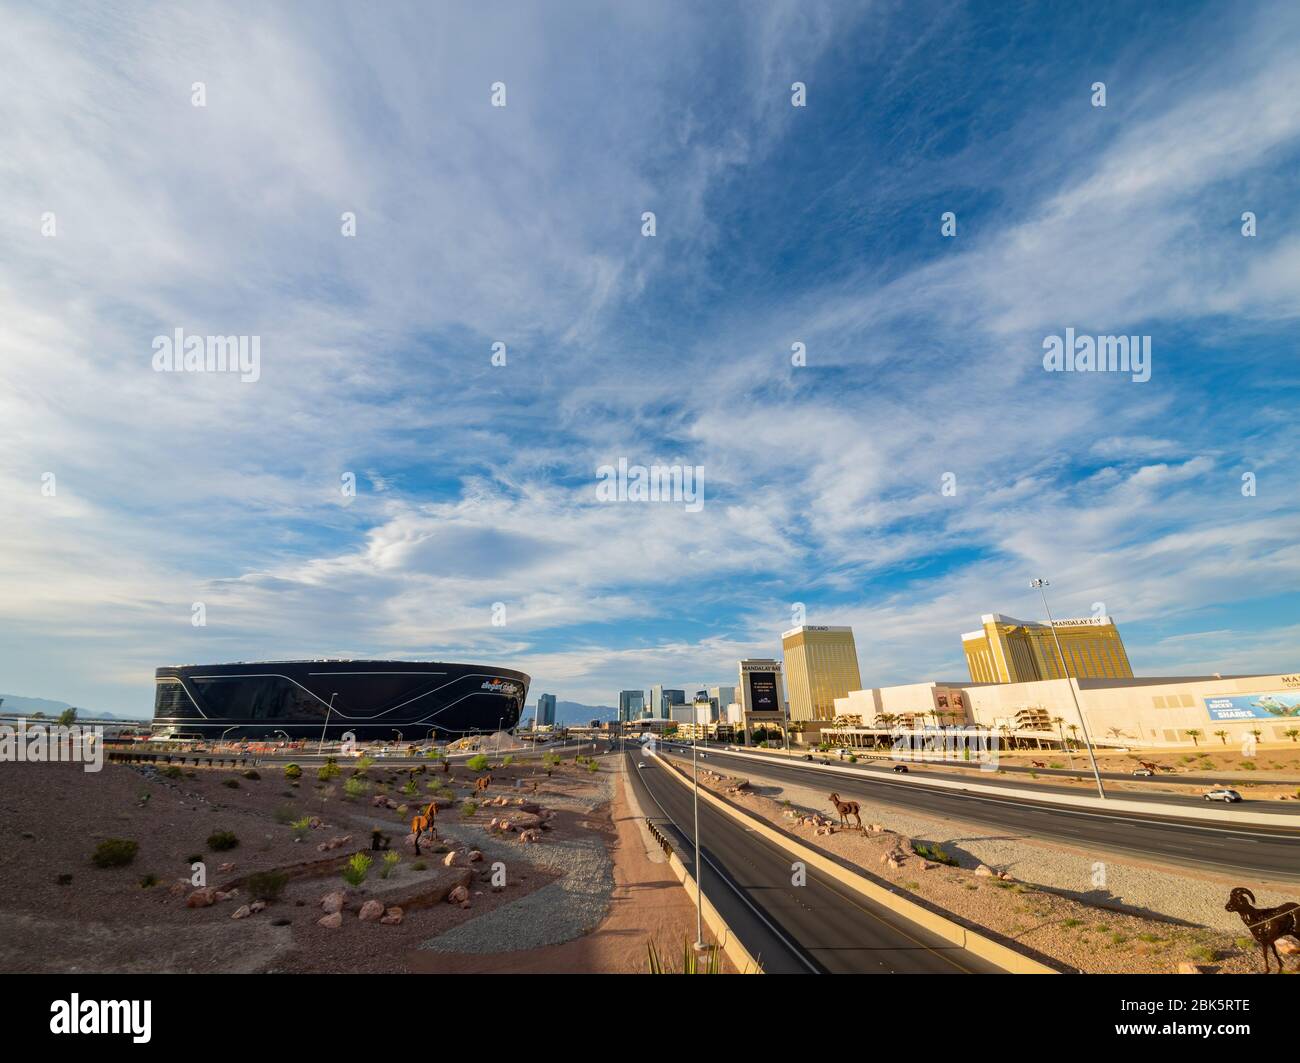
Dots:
pixel 571 712
pixel 31 706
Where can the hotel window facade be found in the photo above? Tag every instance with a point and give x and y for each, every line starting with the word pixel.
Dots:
pixel 1006 650
pixel 821 664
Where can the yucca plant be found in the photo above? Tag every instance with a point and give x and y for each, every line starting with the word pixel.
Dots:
pixel 691 961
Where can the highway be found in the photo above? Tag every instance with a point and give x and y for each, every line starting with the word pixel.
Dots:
pixel 816 928
pixel 921 770
pixel 1265 852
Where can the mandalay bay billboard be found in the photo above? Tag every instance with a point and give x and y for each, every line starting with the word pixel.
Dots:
pixel 1281 705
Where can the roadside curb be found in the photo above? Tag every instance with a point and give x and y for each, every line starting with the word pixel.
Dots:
pixel 975 943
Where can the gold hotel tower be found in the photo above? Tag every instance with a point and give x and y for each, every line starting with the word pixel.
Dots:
pixel 1007 650
pixel 821 664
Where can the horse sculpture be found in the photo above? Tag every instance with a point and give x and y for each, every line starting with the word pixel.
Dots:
pixel 846 809
pixel 1266 925
pixel 1037 764
pixel 425 821
pixel 482 783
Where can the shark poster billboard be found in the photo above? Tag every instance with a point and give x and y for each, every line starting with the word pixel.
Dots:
pixel 1282 705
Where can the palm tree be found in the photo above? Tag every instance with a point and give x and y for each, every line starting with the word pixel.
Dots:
pixel 1074 734
pixel 1223 736
pixel 1194 735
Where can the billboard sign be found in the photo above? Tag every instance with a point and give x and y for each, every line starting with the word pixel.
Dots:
pixel 763 695
pixel 1275 706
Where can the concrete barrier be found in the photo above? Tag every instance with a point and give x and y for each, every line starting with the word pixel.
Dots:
pixel 1003 956
pixel 1111 804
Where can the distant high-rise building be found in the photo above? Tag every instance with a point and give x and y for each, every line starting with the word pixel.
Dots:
pixel 720 697
pixel 631 704
pixel 662 699
pixel 1006 650
pixel 545 710
pixel 821 664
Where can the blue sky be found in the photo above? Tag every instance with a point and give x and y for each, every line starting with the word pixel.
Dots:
pixel 522 224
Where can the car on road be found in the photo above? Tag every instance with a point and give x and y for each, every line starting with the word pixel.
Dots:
pixel 1222 793
pixel 1146 773
pixel 900 769
pixel 639 767
pixel 807 756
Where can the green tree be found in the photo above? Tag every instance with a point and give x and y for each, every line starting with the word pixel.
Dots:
pixel 67 717
pixel 1222 736
pixel 1194 735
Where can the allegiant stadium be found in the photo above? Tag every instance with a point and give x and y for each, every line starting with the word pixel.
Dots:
pixel 373 700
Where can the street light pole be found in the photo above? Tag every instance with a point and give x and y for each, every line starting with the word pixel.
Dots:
pixel 320 748
pixel 1041 584
pixel 699 874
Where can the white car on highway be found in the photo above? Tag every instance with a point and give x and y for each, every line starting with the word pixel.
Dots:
pixel 1222 793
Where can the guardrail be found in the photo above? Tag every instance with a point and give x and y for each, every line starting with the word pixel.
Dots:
pixel 181 760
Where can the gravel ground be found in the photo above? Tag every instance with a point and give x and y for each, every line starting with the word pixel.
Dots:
pixel 573 905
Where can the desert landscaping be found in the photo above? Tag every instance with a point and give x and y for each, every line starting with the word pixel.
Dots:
pixel 530 865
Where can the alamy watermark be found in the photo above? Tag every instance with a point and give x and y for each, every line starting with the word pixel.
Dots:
pixel 948 743
pixel 52 744
pixel 653 483
pixel 179 353
pixel 1098 354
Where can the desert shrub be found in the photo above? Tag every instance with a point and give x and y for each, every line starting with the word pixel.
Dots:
pixel 478 763
pixel 507 761
pixel 937 853
pixel 115 852
pixel 364 762
pixel 328 771
pixel 149 881
pixel 64 879
pixel 468 808
pixel 266 885
pixel 251 774
pixel 300 827
pixel 354 873
pixel 292 771
pixel 222 840
pixel 172 772
pixel 286 814
pixel 389 864
pixel 410 788
pixel 232 783
pixel 355 787
pixel 419 865
pixel 592 765
pixel 197 858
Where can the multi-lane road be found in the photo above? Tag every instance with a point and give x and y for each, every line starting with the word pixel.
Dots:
pixel 813 928
pixel 1253 852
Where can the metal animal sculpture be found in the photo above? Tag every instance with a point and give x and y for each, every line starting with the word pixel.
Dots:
pixel 1266 925
pixel 846 809
pixel 425 822
pixel 482 783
